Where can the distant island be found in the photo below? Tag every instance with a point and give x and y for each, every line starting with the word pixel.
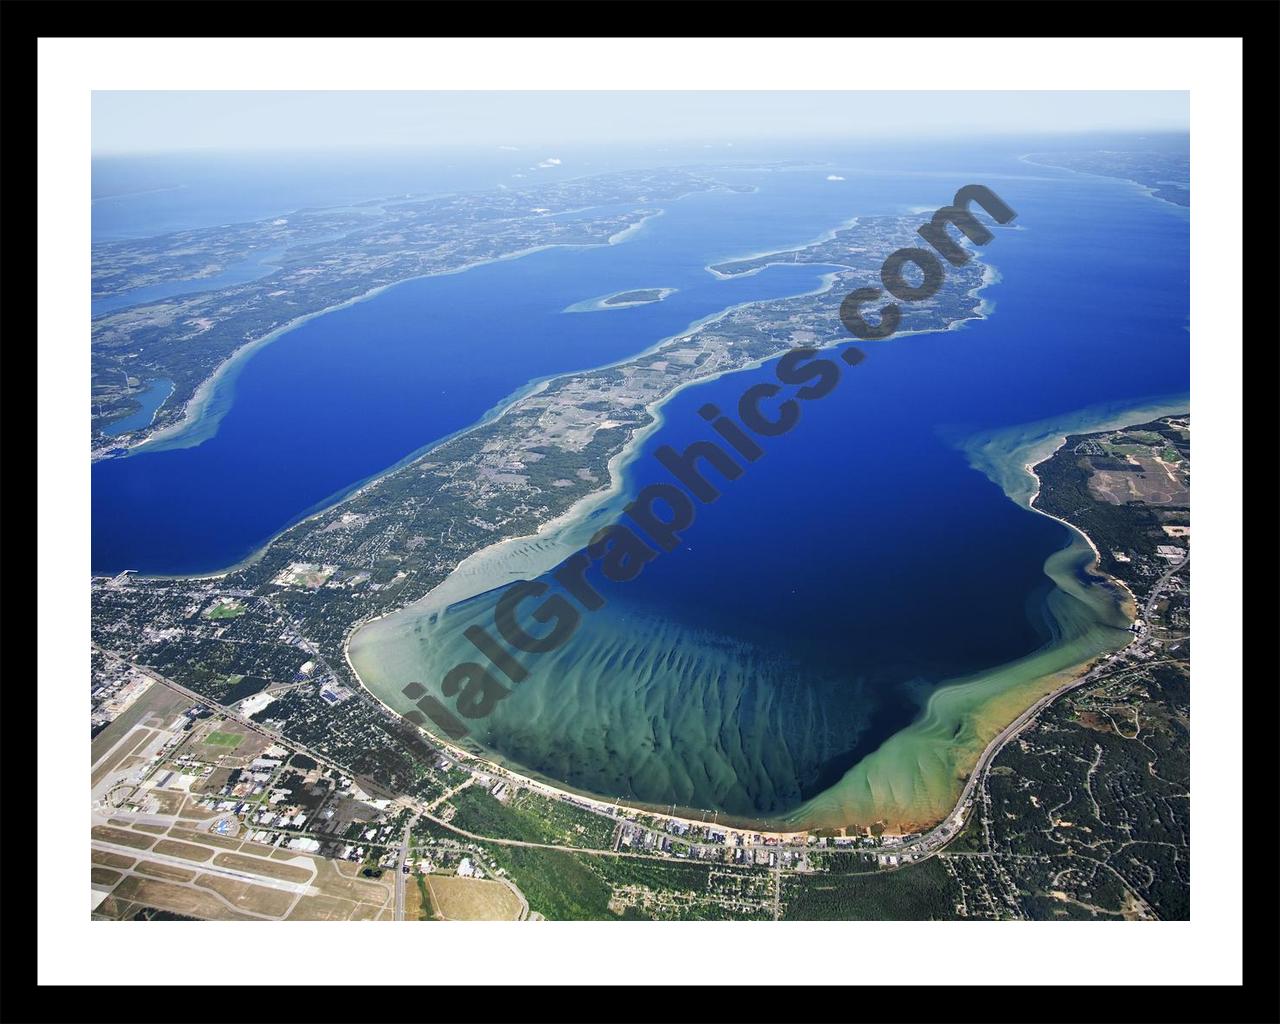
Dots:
pixel 635 297
pixel 638 297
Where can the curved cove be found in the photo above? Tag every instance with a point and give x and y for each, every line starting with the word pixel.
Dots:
pixel 842 632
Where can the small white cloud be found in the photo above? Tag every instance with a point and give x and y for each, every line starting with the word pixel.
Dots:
pixel 510 149
pixel 835 177
pixel 550 161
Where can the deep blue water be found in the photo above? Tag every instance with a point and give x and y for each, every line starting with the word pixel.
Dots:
pixel 1092 308
pixel 860 561
pixel 856 564
pixel 415 364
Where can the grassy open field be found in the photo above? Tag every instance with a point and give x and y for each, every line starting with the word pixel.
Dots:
pixel 112 860
pixel 322 908
pixel 338 896
pixel 168 802
pixel 227 610
pixel 121 837
pixel 340 878
pixel 245 896
pixel 472 899
pixel 417 901
pixel 180 899
pixel 187 851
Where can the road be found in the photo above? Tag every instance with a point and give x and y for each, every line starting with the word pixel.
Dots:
pixel 401 868
pixel 1159 587
pixel 221 709
pixel 934 840
pixel 420 807
pixel 922 848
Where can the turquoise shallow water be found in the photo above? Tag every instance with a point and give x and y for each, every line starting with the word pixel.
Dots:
pixel 852 619
pixel 841 627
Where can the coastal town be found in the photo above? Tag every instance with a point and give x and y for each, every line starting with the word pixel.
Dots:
pixel 242 768
pixel 285 793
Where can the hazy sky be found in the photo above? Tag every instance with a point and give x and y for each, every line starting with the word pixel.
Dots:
pixel 139 122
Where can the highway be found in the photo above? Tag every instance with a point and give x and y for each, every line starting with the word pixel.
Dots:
pixel 934 840
pixel 400 868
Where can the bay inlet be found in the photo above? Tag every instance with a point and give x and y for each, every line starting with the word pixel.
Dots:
pixel 839 632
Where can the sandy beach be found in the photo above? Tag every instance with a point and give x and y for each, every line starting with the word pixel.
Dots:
pixel 531 555
pixel 602 303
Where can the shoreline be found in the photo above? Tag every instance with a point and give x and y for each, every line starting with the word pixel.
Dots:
pixel 826 236
pixel 1148 190
pixel 558 791
pixel 193 408
pixel 1024 458
pixel 588 503
pixel 443 594
pixel 508 554
pixel 327 504
pixel 1096 567
pixel 961 719
pixel 500 409
pixel 579 510
pixel 154 412
pixel 194 411
pixel 602 303
pixel 1028 694
pixel 1110 424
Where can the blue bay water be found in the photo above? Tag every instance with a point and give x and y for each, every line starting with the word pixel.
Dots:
pixel 149 401
pixel 813 608
pixel 239 273
pixel 350 393
pixel 857 564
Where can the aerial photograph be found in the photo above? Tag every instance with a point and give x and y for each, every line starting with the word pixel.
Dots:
pixel 638 506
